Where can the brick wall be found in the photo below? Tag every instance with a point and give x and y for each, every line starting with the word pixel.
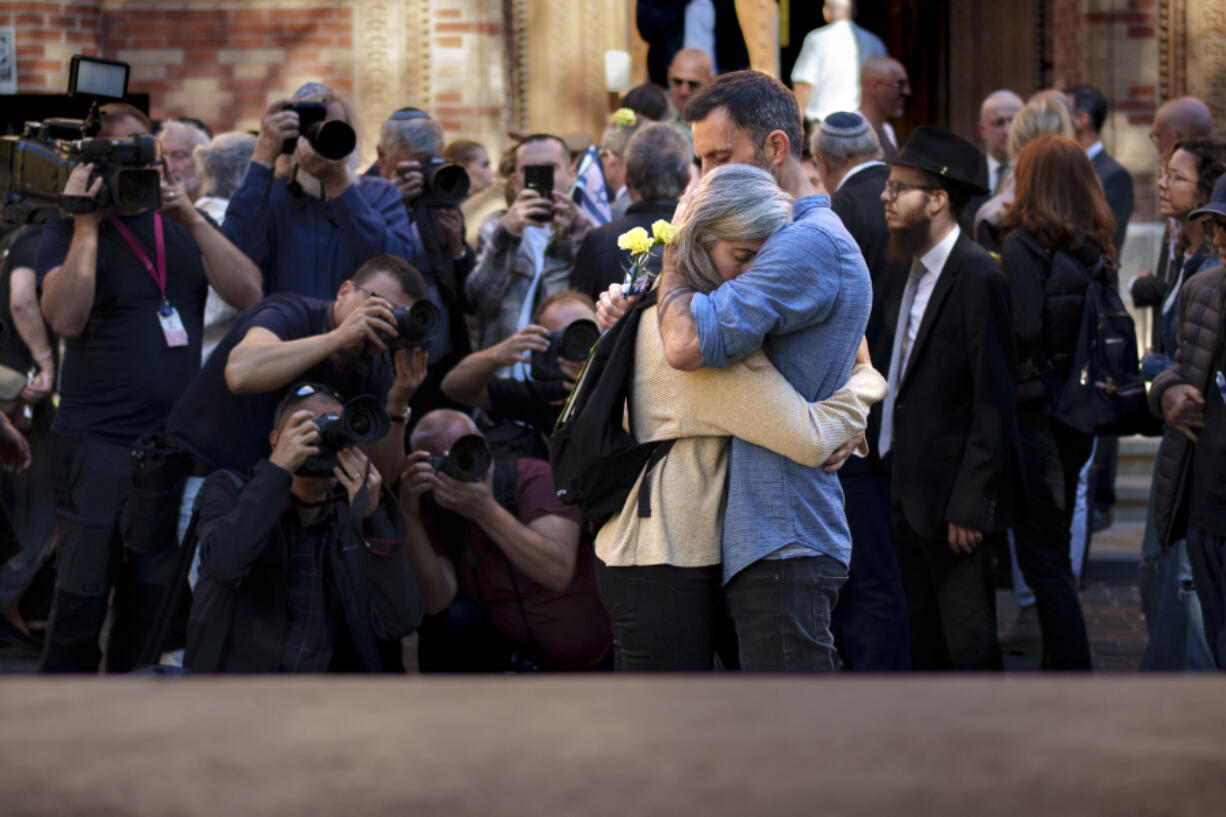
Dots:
pixel 48 34
pixel 1114 46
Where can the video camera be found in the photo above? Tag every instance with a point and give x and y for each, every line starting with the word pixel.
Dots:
pixel 331 139
pixel 468 460
pixel 362 420
pixel 35 166
pixel 414 324
pixel 445 183
pixel 572 343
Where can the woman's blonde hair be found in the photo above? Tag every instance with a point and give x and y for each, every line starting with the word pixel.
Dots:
pixel 1045 112
pixel 731 203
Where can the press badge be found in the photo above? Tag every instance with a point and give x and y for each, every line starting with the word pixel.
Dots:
pixel 172 326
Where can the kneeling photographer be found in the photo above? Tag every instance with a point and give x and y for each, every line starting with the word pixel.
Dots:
pixel 507 583
pixel 299 564
pixel 551 351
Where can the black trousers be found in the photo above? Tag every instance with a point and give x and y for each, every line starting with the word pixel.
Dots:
pixel 667 618
pixel 94 479
pixel 1052 457
pixel 951 599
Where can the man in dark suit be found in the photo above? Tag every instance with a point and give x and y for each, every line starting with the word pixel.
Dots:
pixel 662 24
pixel 995 118
pixel 948 430
pixel 1089 114
pixel 657 170
pixel 870 620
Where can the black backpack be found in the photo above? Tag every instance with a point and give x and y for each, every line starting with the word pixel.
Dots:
pixel 1104 393
pixel 595 461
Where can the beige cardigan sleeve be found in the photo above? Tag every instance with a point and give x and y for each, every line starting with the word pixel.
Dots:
pixel 753 401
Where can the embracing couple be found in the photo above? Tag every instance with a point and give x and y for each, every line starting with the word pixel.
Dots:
pixel 752 361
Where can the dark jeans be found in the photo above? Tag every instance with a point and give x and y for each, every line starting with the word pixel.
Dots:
pixel 91 492
pixel 951 598
pixel 665 618
pixel 1052 457
pixel 1207 553
pixel 869 621
pixel 781 611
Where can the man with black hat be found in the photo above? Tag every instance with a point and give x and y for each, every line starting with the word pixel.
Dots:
pixel 948 430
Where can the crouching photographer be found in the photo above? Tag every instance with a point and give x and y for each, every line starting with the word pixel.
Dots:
pixel 506 581
pixel 299 564
pixel 551 351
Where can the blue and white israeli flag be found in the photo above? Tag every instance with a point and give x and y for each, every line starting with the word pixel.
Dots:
pixel 590 192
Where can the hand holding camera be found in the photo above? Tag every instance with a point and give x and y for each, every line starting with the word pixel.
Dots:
pixel 298 442
pixel 518 347
pixel 416 480
pixel 411 369
pixel 176 204
pixel 278 125
pixel 79 184
pixel 409 181
pixel 373 322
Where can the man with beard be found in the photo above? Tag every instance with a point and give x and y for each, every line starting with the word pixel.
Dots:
pixel 309 222
pixel 179 139
pixel 947 430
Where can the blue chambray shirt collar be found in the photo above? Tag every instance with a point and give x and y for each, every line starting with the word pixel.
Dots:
pixel 809 203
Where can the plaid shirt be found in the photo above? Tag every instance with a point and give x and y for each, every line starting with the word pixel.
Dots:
pixel 314 607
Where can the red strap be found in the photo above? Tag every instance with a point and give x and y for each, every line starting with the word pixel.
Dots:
pixel 157 273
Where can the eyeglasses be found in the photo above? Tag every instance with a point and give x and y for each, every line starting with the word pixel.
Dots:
pixel 369 292
pixel 893 188
pixel 1170 177
pixel 677 82
pixel 1000 122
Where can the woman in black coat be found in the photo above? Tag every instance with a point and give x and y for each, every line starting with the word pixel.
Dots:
pixel 1058 233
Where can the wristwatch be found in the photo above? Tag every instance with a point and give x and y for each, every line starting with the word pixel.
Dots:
pixel 400 418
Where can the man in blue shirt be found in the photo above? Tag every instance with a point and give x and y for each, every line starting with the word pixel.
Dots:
pixel 806 301
pixel 309 222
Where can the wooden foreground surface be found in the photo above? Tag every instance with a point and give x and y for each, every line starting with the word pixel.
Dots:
pixel 614 746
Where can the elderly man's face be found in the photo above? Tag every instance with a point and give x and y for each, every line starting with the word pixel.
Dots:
pixel 687 76
pixel 178 145
pixel 995 117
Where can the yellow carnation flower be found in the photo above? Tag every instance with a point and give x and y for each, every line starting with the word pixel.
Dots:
pixel 636 241
pixel 624 118
pixel 663 232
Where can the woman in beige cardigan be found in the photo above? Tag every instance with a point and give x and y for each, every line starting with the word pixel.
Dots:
pixel 660 575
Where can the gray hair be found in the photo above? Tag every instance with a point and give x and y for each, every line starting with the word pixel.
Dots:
pixel 731 203
pixel 414 135
pixel 838 152
pixel 224 161
pixel 658 162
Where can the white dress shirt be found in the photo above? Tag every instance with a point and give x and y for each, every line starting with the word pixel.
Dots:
pixel 700 29
pixel 933 262
pixel 1094 149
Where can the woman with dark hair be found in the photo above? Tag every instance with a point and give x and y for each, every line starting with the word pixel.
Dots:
pixel 1058 233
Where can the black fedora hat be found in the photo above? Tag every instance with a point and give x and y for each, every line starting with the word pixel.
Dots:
pixel 946 155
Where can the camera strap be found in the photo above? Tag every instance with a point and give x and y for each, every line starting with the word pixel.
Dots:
pixel 168 316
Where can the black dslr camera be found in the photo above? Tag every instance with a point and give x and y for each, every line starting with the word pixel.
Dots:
pixel 332 139
pixel 414 324
pixel 571 343
pixel 468 460
pixel 362 420
pixel 445 183
pixel 35 166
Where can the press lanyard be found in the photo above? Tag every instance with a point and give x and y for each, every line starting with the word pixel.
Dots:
pixel 158 273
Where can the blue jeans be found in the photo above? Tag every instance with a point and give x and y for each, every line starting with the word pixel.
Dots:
pixel 780 609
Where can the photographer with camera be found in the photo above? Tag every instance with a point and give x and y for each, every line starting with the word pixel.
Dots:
pixel 363 342
pixel 410 157
pixel 133 327
pixel 527 251
pixel 554 346
pixel 302 214
pixel 299 564
pixel 507 583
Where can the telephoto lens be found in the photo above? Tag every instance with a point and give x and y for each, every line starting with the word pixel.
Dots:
pixel 468 460
pixel 331 139
pixel 414 324
pixel 362 420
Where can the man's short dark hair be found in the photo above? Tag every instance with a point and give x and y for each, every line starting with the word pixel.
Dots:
pixel 406 274
pixel 658 162
pixel 1088 100
pixel 756 103
pixel 540 137
pixel 118 110
pixel 959 196
pixel 648 100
